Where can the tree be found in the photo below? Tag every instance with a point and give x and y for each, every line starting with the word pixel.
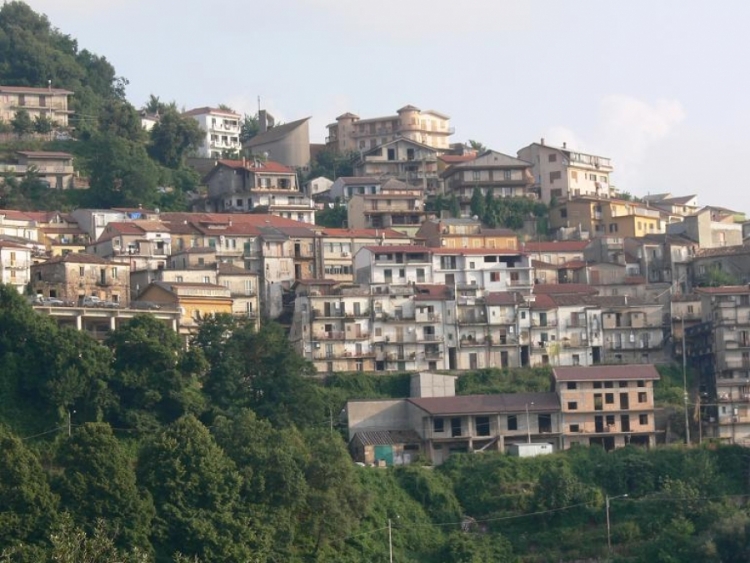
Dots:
pixel 332 217
pixel 43 124
pixel 150 380
pixel 72 544
pixel 453 207
pixel 28 505
pixel 196 492
pixel 477 146
pixel 332 164
pixel 22 123
pixel 249 128
pixel 476 205
pixel 120 119
pixel 173 137
pixel 98 484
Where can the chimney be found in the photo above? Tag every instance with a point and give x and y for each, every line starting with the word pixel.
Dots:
pixel 262 121
pixel 542 143
pixel 565 145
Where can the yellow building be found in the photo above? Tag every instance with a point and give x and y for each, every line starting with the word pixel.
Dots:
pixel 49 102
pixel 465 233
pixel 194 301
pixel 604 216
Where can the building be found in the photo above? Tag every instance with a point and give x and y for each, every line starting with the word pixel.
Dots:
pixel 399 207
pixel 53 168
pixel 718 349
pixel 410 161
pixel 491 171
pixel 318 187
pixel 728 265
pixel 49 102
pixel 142 244
pixel 682 206
pixel 258 186
pixel 347 186
pixel 221 130
pixel 465 233
pixel 15 263
pixel 561 173
pixel 599 216
pixel 73 277
pixel 350 133
pixel 710 228
pixel 609 406
pixel 633 330
pixel 287 144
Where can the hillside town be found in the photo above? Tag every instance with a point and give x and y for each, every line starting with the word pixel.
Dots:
pixel 601 279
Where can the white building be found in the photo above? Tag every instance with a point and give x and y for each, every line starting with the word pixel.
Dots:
pixel 222 131
pixel 14 265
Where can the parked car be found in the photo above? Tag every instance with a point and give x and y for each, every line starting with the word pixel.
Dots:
pixel 93 301
pixel 48 301
pixel 147 305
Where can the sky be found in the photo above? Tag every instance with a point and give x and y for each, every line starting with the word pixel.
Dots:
pixel 660 87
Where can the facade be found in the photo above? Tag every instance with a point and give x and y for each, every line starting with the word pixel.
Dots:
pixel 609 406
pixel 15 263
pixel 347 186
pixel 350 133
pixel 49 102
pixel 561 173
pixel 287 144
pixel 410 161
pixel 598 216
pixel 719 351
pixel 73 277
pixel 221 131
pixel 633 330
pixel 318 187
pixel 710 228
pixel 142 244
pixel 491 171
pixel 400 208
pixel 53 168
pixel 465 233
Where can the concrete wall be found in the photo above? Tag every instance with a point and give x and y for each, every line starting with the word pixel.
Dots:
pixel 377 415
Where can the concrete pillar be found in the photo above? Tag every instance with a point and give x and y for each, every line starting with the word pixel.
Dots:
pixel 112 323
pixel 79 322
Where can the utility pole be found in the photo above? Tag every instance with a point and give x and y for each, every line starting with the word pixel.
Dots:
pixel 69 423
pixel 390 541
pixel 684 382
pixel 609 523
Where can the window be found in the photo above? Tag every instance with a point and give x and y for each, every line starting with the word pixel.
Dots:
pixel 475 175
pixel 623 384
pixel 641 383
pixel 609 398
pixel 572 406
pixel 114 273
pixel 642 397
pixel 564 213
pixel 643 419
pixel 574 175
pixel 575 428
pixel 512 422
pixel 81 271
pixel 495 276
pixel 597 384
pixel 554 176
pixel 598 402
pixel 206 279
pixel 576 359
pixel 506 174
pixel 438 425
pixel 552 158
pixel 483 425
pixel 572 385
pixel 179 279
pixel 609 384
pixel 613 227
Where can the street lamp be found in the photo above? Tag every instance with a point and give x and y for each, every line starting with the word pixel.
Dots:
pixel 528 426
pixel 607 500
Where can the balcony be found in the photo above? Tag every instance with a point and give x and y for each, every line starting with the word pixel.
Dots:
pixel 733 398
pixel 427 317
pixel 357 336
pixel 536 323
pixel 332 335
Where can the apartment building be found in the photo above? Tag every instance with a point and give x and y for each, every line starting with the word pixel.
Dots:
pixel 608 406
pixel 52 168
pixel 49 102
pixel 719 351
pixel 221 131
pixel 633 330
pixel 288 143
pixel 400 208
pixel 15 263
pixel 710 227
pixel 561 173
pixel 465 233
pixel 350 133
pixel 410 161
pixel 675 205
pixel 143 244
pixel 345 187
pixel 600 216
pixel 491 171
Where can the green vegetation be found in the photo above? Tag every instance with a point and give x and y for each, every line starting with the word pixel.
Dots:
pixel 137 450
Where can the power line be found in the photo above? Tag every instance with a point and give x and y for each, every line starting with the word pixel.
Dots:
pixel 43 433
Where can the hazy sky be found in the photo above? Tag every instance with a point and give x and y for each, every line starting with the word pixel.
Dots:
pixel 661 87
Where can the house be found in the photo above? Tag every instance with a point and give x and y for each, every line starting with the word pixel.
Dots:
pixel 49 102
pixel 727 265
pixel 194 301
pixel 258 186
pixel 401 208
pixel 143 244
pixel 288 144
pixel 436 425
pixel 609 406
pixel 53 168
pixel 663 258
pixel 718 349
pixel 682 206
pixel 710 228
pixel 221 131
pixel 347 186
pixel 15 263
pixel 318 187
pixel 350 133
pixel 600 216
pixel 633 330
pixel 491 171
pixel 561 173
pixel 402 158
pixel 72 277
pixel 465 233
pixel 557 252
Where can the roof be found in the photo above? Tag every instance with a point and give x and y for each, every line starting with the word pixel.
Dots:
pixel 606 373
pixel 249 165
pixel 79 258
pixel 456 158
pixel 502 298
pixel 477 404
pixel 490 159
pixel 208 109
pixel 556 246
pixel 44 154
pixel 680 200
pixel 387 437
pixel 723 290
pixel 722 251
pixel 11 244
pixel 477 251
pixel 32 90
pixel 391 248
pixel 563 288
pixel 275 133
pixel 429 292
pixel 359 180
pixel 348 114
pixel 387 233
pixel 225 269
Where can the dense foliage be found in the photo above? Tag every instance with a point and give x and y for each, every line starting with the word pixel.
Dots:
pixel 137 450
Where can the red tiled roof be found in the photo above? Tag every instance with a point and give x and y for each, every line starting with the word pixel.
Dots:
pixel 345 233
pixel 573 265
pixel 428 292
pixel 457 158
pixel 32 90
pixel 392 248
pixel 556 246
pixel 478 251
pixel 504 402
pixel 562 288
pixel 502 298
pixel 268 166
pixel 544 265
pixel 14 215
pixel 606 373
pixel 543 301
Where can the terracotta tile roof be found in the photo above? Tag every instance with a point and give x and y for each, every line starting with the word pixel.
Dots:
pixel 10 244
pixel 377 233
pixel 457 158
pixel 32 90
pixel 606 373
pixel 573 265
pixel 429 292
pixel 14 215
pixel 556 246
pixel 232 270
pixel 79 258
pixel 543 302
pixel 723 251
pixel 503 298
pixel 562 288
pixel 544 265
pixel 394 248
pixel 488 404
